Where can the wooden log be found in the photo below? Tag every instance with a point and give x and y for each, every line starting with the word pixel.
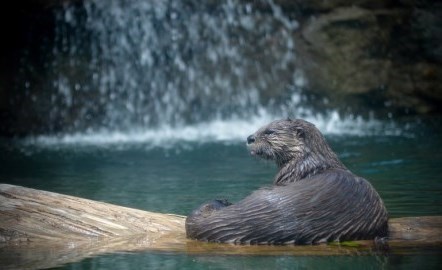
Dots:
pixel 33 215
pixel 35 222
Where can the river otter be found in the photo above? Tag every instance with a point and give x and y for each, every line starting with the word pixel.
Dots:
pixel 314 197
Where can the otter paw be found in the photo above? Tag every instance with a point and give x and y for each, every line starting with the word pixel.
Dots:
pixel 209 207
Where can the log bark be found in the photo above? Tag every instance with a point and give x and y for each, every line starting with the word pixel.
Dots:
pixel 44 229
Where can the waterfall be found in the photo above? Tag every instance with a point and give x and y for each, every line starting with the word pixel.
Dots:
pixel 149 63
pixel 144 70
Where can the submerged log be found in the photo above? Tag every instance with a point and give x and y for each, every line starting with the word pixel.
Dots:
pixel 66 229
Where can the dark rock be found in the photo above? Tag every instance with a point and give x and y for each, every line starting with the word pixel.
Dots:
pixel 372 59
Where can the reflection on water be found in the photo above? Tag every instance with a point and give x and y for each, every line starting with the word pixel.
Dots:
pixel 177 261
pixel 404 169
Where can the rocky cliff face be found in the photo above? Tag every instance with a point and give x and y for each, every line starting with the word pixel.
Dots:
pixel 383 56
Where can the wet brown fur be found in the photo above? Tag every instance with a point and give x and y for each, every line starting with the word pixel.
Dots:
pixel 314 199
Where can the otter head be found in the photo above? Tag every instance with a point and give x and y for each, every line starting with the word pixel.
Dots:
pixel 290 140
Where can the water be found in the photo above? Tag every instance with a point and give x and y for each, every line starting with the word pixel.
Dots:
pixel 178 176
pixel 168 261
pixel 128 65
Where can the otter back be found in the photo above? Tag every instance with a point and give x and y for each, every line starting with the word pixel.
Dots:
pixel 334 205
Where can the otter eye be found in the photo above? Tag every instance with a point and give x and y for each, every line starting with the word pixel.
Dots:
pixel 269 131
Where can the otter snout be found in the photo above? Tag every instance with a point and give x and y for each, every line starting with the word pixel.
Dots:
pixel 250 139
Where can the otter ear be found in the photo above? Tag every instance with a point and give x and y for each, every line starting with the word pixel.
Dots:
pixel 300 132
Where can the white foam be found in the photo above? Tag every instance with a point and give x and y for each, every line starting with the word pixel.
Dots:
pixel 232 130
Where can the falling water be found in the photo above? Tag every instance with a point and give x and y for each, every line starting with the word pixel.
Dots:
pixel 154 70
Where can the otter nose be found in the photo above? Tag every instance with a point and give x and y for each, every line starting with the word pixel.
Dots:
pixel 250 139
